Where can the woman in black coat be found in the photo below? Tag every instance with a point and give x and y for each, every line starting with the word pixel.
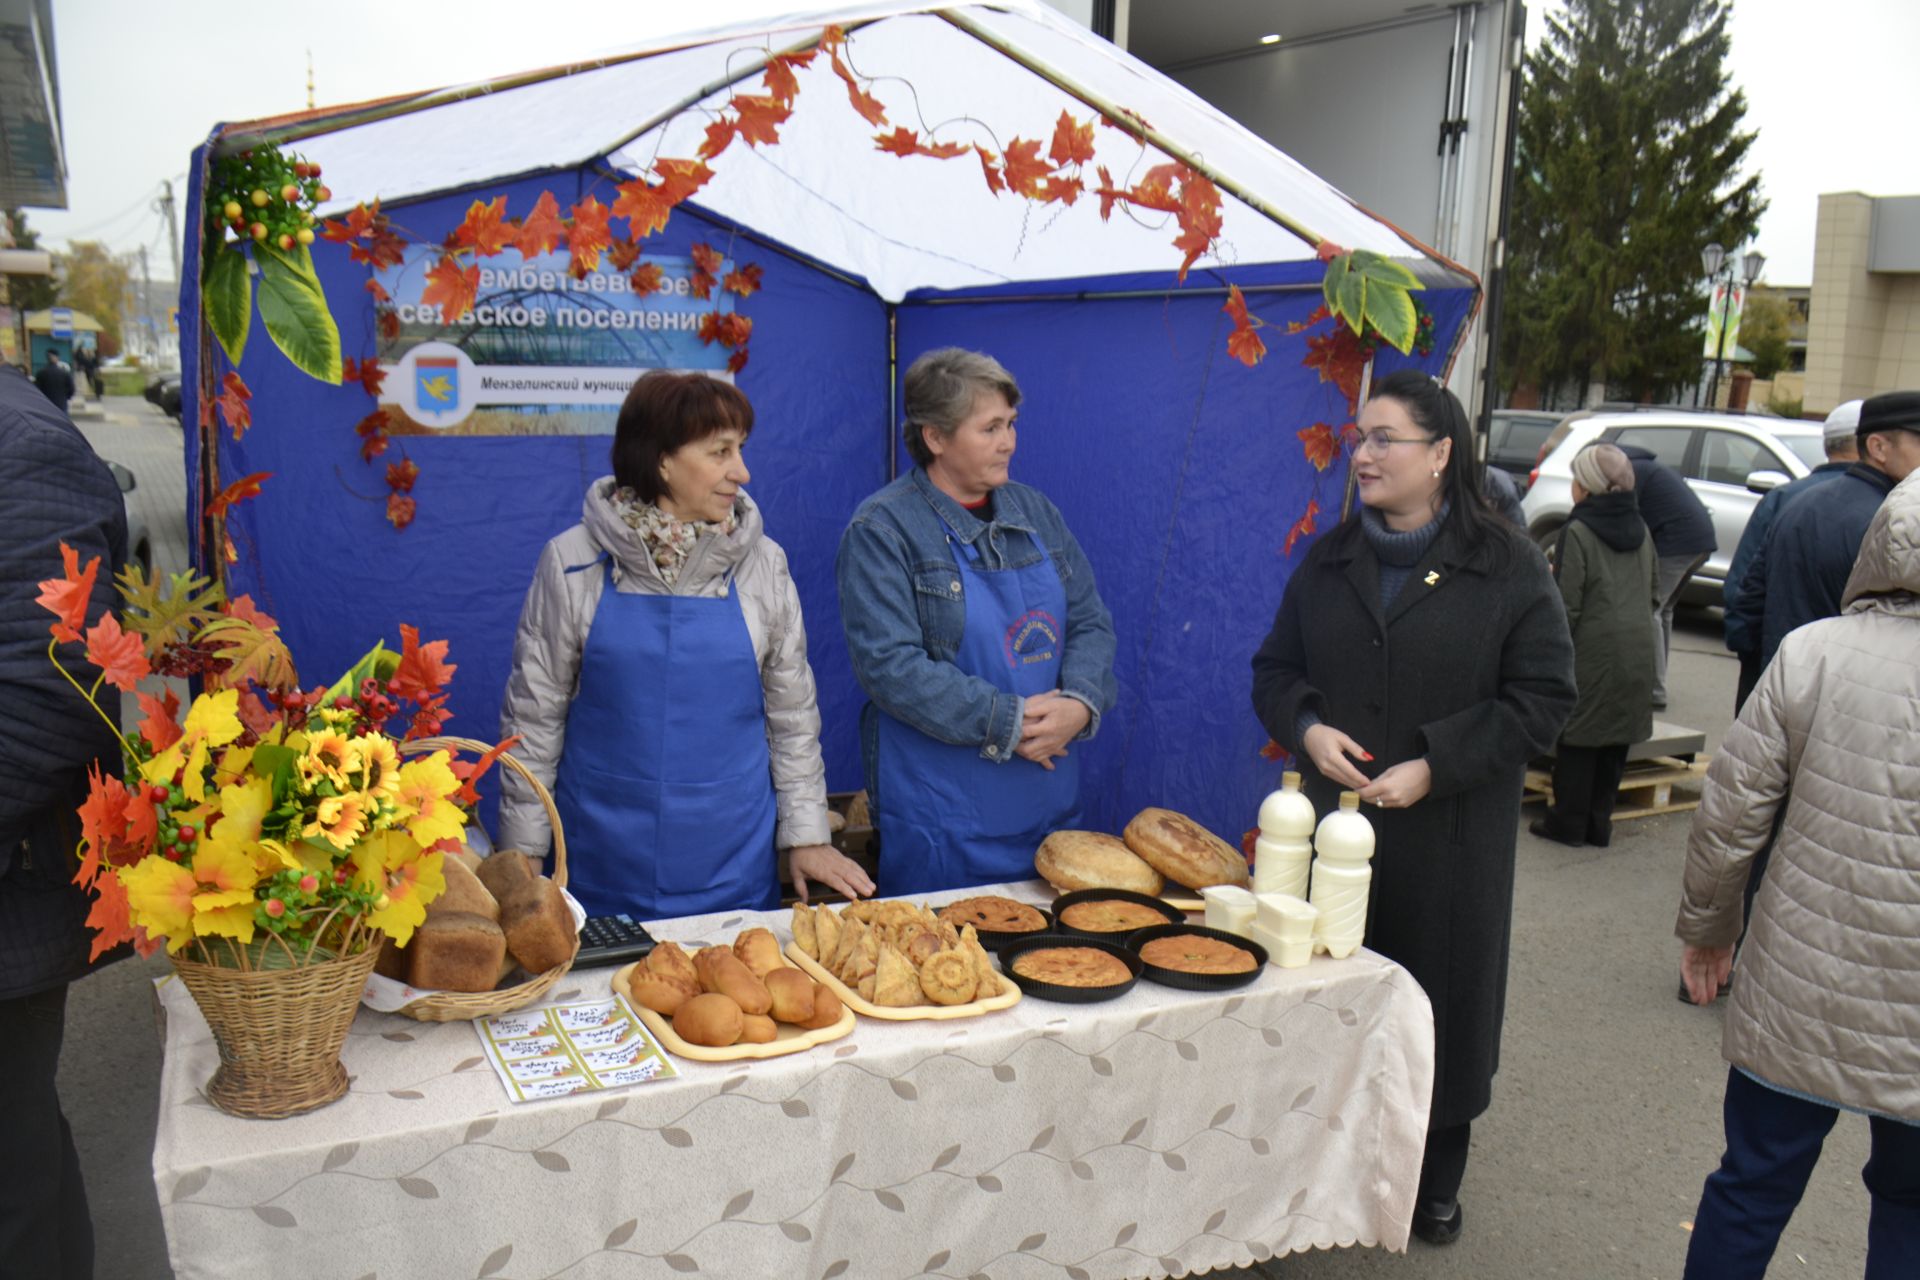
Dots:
pixel 1420 657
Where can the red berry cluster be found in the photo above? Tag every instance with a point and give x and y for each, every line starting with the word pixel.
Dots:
pixel 266 196
pixel 184 661
pixel 175 840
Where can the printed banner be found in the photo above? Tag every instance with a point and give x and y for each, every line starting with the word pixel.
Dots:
pixel 1722 307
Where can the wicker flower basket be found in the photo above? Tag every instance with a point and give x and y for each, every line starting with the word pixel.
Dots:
pixel 456 1006
pixel 279 1031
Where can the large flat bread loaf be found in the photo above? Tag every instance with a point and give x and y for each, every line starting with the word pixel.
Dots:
pixel 1184 851
pixel 1070 860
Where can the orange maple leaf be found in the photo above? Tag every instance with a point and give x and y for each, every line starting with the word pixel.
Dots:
pixel 256 714
pixel 1304 525
pixel 622 254
pixel 709 330
pixel 590 236
pixel 383 248
pixel 720 136
pixel 388 321
pixel 995 183
pixel 737 361
pixel 1198 217
pixel 832 40
pixel 542 230
pixel 367 373
pixel 68 596
pixel 120 655
pixel 424 670
pixel 469 774
pixel 744 281
pixel 103 821
pixel 1340 359
pixel 706 269
pixel 646 279
pixel 356 224
pixel 1274 751
pixel 1320 444
pixel 644 206
pixel 451 287
pixel 487 229
pixel 402 474
pixel 780 81
pixel 1314 317
pixel 901 142
pixel 160 728
pixel 239 491
pixel 111 918
pixel 372 431
pixel 1072 143
pixel 1155 190
pixel 232 400
pixel 243 608
pixel 759 118
pixel 1024 167
pixel 379 291
pixel 1108 194
pixel 681 178
pixel 399 510
pixel 1243 344
pixel 1063 190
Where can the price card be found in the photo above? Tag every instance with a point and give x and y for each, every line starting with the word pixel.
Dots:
pixel 570 1048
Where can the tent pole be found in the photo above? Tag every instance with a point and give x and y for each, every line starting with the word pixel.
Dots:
pixel 1091 295
pixel 893 389
pixel 1119 116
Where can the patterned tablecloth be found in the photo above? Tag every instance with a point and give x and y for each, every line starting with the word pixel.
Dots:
pixel 1164 1133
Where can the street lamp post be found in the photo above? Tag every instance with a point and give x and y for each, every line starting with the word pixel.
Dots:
pixel 1712 257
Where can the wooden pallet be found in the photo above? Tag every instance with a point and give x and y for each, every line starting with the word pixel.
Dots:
pixel 1646 788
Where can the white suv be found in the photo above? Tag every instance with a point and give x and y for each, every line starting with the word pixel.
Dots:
pixel 1728 460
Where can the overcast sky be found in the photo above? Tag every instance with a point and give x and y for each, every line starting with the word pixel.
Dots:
pixel 142 82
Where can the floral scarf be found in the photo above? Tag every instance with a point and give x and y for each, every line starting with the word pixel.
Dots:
pixel 668 540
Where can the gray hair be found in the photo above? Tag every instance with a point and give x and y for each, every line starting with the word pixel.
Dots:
pixel 939 391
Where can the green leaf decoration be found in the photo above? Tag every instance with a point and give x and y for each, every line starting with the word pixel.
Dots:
pixel 160 616
pixel 1391 313
pixel 1330 283
pixel 294 308
pixel 379 663
pixel 229 300
pixel 1353 300
pixel 1383 270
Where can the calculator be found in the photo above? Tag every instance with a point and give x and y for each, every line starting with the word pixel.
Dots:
pixel 608 940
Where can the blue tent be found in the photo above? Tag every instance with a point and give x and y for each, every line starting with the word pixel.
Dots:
pixel 1181 470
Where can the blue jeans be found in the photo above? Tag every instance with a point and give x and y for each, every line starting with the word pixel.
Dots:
pixel 1773 1142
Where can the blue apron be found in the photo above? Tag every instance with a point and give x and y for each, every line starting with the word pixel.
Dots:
pixel 665 786
pixel 950 818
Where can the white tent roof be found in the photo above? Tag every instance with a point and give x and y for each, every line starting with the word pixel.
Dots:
pixel 826 190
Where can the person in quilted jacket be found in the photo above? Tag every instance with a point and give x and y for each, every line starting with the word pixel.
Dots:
pixel 1826 1015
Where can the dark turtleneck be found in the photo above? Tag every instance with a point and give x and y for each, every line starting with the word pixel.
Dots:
pixel 1398 550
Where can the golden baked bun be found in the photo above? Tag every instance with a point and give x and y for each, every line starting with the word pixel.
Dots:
pixel 792 995
pixel 757 1028
pixel 827 1008
pixel 720 970
pixel 1070 860
pixel 671 959
pixel 663 993
pixel 1184 851
pixel 759 950
pixel 709 1019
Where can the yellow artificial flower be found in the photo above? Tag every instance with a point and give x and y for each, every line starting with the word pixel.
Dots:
pixel 425 799
pixel 271 856
pixel 338 820
pixel 382 764
pixel 243 806
pixel 163 766
pixel 160 899
pixel 227 913
pixel 330 756
pixel 225 866
pixel 214 717
pixel 193 782
pixel 233 764
pixel 406 878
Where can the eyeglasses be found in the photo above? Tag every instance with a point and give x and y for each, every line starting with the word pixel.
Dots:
pixel 1378 442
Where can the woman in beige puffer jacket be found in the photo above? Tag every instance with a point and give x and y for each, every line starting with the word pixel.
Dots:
pixel 1826 1014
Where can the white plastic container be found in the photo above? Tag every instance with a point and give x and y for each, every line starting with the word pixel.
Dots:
pixel 1229 907
pixel 1342 878
pixel 1283 924
pixel 1283 851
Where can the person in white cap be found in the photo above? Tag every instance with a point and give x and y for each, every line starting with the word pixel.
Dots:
pixel 1746 601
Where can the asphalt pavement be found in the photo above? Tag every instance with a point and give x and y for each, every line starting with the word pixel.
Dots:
pixel 1606 1112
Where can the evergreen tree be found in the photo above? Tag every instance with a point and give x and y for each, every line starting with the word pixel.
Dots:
pixel 1628 151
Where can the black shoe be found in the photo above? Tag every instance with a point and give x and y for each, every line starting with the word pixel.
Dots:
pixel 1438 1221
pixel 1540 828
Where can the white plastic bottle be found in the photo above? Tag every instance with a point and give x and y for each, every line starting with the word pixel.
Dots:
pixel 1282 853
pixel 1342 878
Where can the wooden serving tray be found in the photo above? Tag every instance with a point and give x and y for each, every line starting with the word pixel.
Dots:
pixel 1009 996
pixel 791 1039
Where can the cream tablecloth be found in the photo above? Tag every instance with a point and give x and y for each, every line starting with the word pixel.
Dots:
pixel 1164 1133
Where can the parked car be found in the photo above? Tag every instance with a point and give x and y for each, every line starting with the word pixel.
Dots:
pixel 1728 460
pixel 1514 437
pixel 164 390
pixel 139 542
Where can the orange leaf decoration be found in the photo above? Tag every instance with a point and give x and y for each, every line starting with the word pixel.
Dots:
pixel 239 491
pixel 681 178
pixel 1243 344
pixel 424 670
pixel 103 820
pixel 542 230
pixel 646 205
pixel 833 39
pixel 905 142
pixel 781 83
pixel 737 361
pixel 367 373
pixel 160 728
pixel 590 236
pixel 401 475
pixel 720 136
pixel 706 269
pixel 1340 359
pixel 451 287
pixel 1314 317
pixel 1024 168
pixel 647 279
pixel 389 322
pixel 744 281
pixel 399 510
pixel 372 431
pixel 1274 751
pixel 995 183
pixel 1108 195
pixel 487 229
pixel 68 596
pixel 112 920
pixel 622 254
pixel 1320 444
pixel 121 657
pixel 760 118
pixel 243 608
pixel 1063 190
pixel 1304 525
pixel 379 291
pixel 469 774
pixel 232 400
pixel 1072 143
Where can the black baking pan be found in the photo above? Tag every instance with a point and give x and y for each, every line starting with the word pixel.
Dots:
pixel 1171 914
pixel 1069 995
pixel 1197 981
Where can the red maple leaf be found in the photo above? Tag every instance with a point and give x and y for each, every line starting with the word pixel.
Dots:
pixel 367 373
pixel 469 774
pixel 487 229
pixel 780 80
pixel 737 361
pixel 239 491
pixel 735 329
pixel 706 269
pixel 1320 444
pixel 1198 217
pixel 643 205
pixel 243 608
pixel 589 238
pixel 744 281
pixel 1340 359
pixel 1072 143
pixel 1024 168
pixel 423 670
pixel 759 118
pixel 402 474
pixel 1108 194
pixel 379 292
pixel 622 254
pixel 901 142
pixel 720 136
pixel 121 657
pixel 1274 751
pixel 1155 190
pixel 103 821
pixel 352 227
pixel 995 183
pixel 372 431
pixel 646 279
pixel 389 321
pixel 68 596
pixel 256 715
pixel 1304 525
pixel 1062 190
pixel 542 230
pixel 1244 343
pixel 451 287
pixel 399 510
pixel 709 331
pixel 430 719
pixel 1314 317
pixel 160 728
pixel 111 919
pixel 832 40
pixel 232 400
pixel 681 178
pixel 383 248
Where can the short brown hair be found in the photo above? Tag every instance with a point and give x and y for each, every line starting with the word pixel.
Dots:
pixel 939 390
pixel 664 413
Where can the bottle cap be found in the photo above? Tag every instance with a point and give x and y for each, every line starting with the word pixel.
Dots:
pixel 1350 801
pixel 1290 779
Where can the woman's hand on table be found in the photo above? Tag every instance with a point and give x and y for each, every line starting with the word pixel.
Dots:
pixel 830 867
pixel 1329 748
pixel 1049 721
pixel 1703 970
pixel 1406 783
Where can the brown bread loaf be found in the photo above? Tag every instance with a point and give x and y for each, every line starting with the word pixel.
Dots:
pixel 1184 851
pixel 458 951
pixel 1070 860
pixel 503 871
pixel 539 927
pixel 464 891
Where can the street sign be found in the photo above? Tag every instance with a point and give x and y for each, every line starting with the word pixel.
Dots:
pixel 61 319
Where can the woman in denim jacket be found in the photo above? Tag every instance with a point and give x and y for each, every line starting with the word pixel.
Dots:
pixel 976 629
